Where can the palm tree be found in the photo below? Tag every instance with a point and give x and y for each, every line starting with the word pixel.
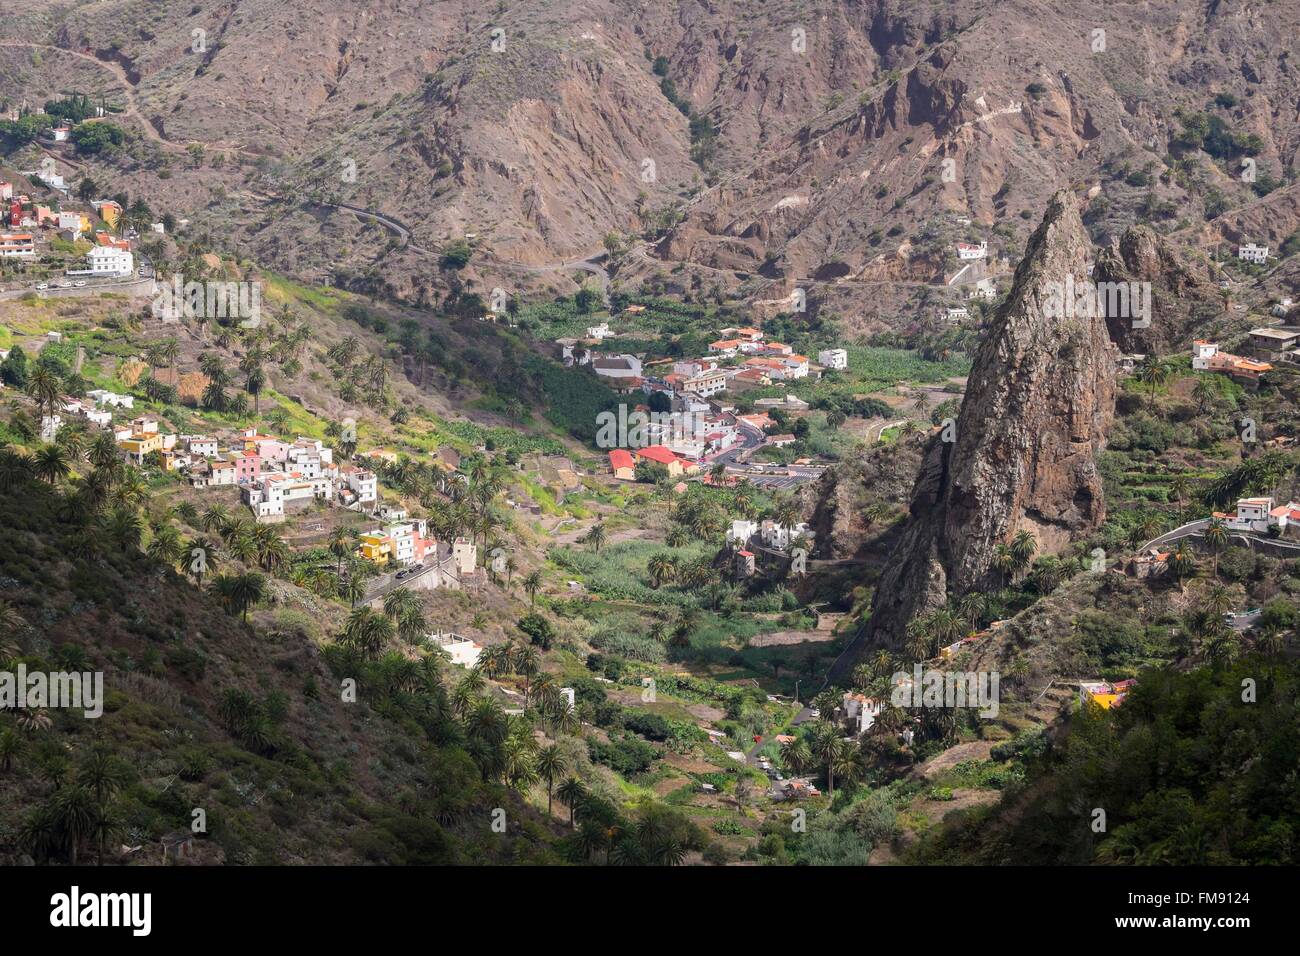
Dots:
pixel 573 794
pixel 661 568
pixel 254 382
pixel 407 612
pixel 1180 487
pixel 1216 539
pixel 203 558
pixel 216 518
pixel 551 764
pixel 919 643
pixel 533 584
pixel 786 513
pixel 165 546
pixel 74 816
pixel 1003 561
pixel 50 464
pixel 596 536
pixel 44 388
pixel 1023 547
pixel 240 592
pixel 367 631
pixel 795 756
pixel 1182 562
pixel 1046 575
pixel 944 626
pixel 1217 601
pixel 103 773
pixel 831 751
pixel 1153 372
pixel 107 825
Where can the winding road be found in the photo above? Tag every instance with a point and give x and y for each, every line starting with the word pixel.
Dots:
pixel 1196 529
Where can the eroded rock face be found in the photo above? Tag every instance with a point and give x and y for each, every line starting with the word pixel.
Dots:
pixel 1182 292
pixel 1039 399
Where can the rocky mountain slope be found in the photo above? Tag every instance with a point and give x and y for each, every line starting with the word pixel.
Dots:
pixel 830 144
pixel 1040 396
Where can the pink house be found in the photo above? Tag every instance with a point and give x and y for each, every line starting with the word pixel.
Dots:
pixel 272 449
pixel 248 466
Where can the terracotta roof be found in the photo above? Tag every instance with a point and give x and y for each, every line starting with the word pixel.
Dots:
pixel 621 458
pixel 657 453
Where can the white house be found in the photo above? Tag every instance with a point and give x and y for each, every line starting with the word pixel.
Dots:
pixel 104 397
pixel 796 366
pixel 70 220
pixel 860 712
pixel 1252 253
pixel 464 555
pixel 778 537
pixel 598 331
pixel 461 650
pixel 833 358
pixel 217 473
pixel 361 481
pixel 706 384
pixel 617 366
pixel 106 261
pixel 202 446
pixel 1202 352
pixel 984 289
pixel 1252 515
pixel 741 532
pixel 967 251
pixel 958 314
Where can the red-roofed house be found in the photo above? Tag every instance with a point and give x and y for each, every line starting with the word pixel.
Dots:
pixel 664 456
pixel 622 465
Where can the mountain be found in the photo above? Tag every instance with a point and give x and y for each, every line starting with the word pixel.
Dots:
pixel 1023 456
pixel 750 146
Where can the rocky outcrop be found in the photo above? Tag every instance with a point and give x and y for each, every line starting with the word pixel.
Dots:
pixel 1181 296
pixel 1022 456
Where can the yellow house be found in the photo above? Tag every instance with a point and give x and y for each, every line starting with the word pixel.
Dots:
pixel 110 212
pixel 375 547
pixel 140 445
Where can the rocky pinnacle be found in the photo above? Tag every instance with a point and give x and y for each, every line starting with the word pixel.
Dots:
pixel 1023 452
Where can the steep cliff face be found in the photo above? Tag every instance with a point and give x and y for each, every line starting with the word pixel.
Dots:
pixel 1039 399
pixel 1182 292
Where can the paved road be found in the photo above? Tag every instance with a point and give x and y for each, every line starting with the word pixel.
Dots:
pixel 1196 529
pixel 389 582
pixel 135 287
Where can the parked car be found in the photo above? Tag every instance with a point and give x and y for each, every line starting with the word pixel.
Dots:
pixel 42 285
pixel 79 283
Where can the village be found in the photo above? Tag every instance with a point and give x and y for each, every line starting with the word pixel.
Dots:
pixel 45 235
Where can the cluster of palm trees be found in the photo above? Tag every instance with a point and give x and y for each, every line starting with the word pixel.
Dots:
pixel 1204 632
pixel 827 749
pixel 81 808
pixel 365 378
pixel 601 833
pixel 1011 559
pixel 458 503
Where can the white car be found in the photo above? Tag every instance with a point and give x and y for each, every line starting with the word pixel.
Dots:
pixel 79 283
pixel 42 285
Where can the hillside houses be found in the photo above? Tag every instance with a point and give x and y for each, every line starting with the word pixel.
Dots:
pixel 1258 515
pixel 1206 357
